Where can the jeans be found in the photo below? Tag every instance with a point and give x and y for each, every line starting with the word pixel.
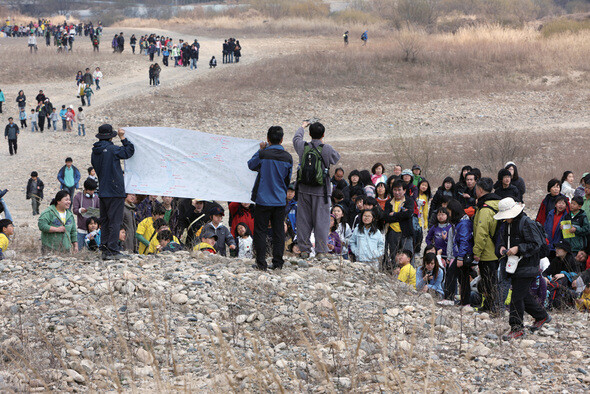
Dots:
pixel 81 241
pixel 165 60
pixel 54 125
pixel 82 129
pixel 230 57
pixel 156 81
pixel 34 127
pixel 262 216
pixel 522 300
pixel 71 190
pixel 12 146
pixel 64 124
pixel 6 211
pixel 193 64
pixel 88 98
pixel 97 82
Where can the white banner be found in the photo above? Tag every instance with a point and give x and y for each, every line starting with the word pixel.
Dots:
pixel 186 163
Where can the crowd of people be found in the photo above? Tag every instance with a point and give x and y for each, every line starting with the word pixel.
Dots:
pixel 477 245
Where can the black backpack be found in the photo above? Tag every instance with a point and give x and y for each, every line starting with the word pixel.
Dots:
pixel 539 234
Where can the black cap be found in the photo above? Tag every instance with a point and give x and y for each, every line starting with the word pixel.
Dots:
pixel 106 132
pixel 216 210
pixel 563 245
pixel 208 232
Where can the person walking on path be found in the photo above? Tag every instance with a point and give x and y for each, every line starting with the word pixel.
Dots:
pixel 274 166
pixel 106 160
pixel 313 182
pixel 521 241
pixel 11 133
pixel 69 177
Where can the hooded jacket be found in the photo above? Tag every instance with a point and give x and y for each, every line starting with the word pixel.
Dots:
pixel 105 159
pixel 365 246
pixel 484 227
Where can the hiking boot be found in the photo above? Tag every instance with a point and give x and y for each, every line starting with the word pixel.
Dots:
pixel 513 335
pixel 536 326
pixel 276 267
pixel 256 267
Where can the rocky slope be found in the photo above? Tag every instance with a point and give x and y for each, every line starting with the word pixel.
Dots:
pixel 209 324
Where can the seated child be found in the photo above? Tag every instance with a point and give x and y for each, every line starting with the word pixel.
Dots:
pixel 159 225
pixel 334 243
pixel 167 243
pixel 213 62
pixel 92 239
pixel 430 276
pixel 244 238
pixel 6 230
pixel 405 272
pixel 208 239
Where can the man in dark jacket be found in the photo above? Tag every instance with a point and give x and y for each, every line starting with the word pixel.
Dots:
pixel 398 213
pixel 520 241
pixel 87 78
pixel 40 97
pixel 120 42
pixel 35 188
pixel 504 188
pixel 106 158
pixel 274 166
pixel 11 134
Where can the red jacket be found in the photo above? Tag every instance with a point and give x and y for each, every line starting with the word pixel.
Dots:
pixel 239 214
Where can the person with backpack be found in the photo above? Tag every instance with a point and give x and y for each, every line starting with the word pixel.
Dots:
pixel 521 242
pixel 365 37
pixel 313 183
pixel 484 232
pixel 274 166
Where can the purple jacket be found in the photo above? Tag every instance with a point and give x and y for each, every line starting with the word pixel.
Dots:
pixel 435 237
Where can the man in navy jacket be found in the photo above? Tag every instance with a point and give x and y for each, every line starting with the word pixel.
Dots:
pixel 274 166
pixel 106 160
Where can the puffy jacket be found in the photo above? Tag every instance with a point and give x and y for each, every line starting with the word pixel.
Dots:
pixel 557 235
pixel 274 166
pixel 59 242
pixel 239 214
pixel 365 246
pixel 463 239
pixel 528 249
pixel 105 159
pixel 484 227
pixel 61 173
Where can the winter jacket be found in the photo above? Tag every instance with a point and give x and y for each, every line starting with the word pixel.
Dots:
pixel 548 205
pixel 433 284
pixel 519 183
pixel 88 79
pixel 438 236
pixel 436 202
pixel 239 214
pixel 554 236
pixel 528 245
pixel 32 190
pixel 484 227
pixel 59 242
pixel 224 237
pixel 274 166
pixel 558 265
pixel 105 159
pixel 81 201
pixel 463 238
pixel 291 214
pixel 329 155
pixel 365 246
pixel 582 225
pixel 403 217
pixel 61 174
pixel 510 191
pixel 11 131
pixel 2 99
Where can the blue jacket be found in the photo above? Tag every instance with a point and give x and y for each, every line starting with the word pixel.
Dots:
pixel 274 166
pixel 434 284
pixel 105 159
pixel 291 214
pixel 367 247
pixel 558 235
pixel 463 242
pixel 61 173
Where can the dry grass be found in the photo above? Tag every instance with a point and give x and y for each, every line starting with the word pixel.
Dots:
pixel 565 26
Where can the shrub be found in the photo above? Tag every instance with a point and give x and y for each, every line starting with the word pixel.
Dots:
pixel 564 25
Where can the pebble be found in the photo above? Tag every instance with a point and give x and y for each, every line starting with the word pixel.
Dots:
pixel 76 377
pixel 179 298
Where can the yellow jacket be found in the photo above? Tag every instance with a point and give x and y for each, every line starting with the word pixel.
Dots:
pixel 146 230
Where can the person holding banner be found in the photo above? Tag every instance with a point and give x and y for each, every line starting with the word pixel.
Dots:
pixel 106 160
pixel 274 166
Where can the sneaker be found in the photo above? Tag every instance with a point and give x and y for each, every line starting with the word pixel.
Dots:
pixel 540 323
pixel 513 335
